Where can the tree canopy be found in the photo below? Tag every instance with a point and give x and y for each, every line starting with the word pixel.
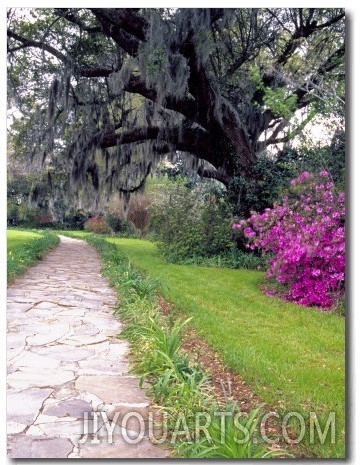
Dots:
pixel 108 92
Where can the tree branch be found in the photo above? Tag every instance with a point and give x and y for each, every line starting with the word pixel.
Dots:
pixel 124 18
pixel 128 43
pixel 67 14
pixel 302 32
pixel 83 72
pixel 185 106
pixel 43 46
pixel 218 175
pixel 185 139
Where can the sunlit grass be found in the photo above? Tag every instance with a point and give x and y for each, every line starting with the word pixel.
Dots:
pixel 76 234
pixel 293 356
pixel 24 248
pixel 17 238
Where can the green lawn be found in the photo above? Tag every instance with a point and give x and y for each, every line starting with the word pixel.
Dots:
pixel 76 234
pixel 293 357
pixel 18 238
pixel 24 248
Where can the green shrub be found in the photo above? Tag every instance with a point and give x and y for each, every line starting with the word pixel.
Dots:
pixel 75 219
pixel 119 225
pixel 234 259
pixel 191 222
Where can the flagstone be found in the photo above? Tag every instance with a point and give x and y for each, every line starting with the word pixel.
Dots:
pixel 104 322
pixel 112 388
pixel 62 353
pixel 31 377
pixel 82 339
pixel 63 428
pixel 120 448
pixel 45 333
pixel 13 427
pixel 23 405
pixel 69 408
pixel 68 391
pixel 102 367
pixel 40 447
pixel 85 329
pixel 29 359
pixel 118 351
pixel 16 343
pixel 67 374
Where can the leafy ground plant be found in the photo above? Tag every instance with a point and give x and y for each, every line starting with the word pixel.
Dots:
pixel 230 434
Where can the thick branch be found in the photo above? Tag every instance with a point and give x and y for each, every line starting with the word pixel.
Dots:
pixel 116 27
pixel 188 140
pixel 212 111
pixel 218 175
pixel 67 14
pixel 185 106
pixel 124 18
pixel 123 39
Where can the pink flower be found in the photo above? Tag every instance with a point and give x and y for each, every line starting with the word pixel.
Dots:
pixel 304 243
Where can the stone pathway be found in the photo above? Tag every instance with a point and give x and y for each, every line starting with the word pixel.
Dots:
pixel 70 394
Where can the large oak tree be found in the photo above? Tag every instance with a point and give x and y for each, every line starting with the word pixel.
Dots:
pixel 109 92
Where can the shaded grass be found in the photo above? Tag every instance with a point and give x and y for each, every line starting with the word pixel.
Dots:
pixel 294 357
pixel 24 248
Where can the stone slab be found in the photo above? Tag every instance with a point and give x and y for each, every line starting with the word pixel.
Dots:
pixel 29 377
pixel 112 388
pixel 120 448
pixel 69 408
pixel 35 447
pixel 24 405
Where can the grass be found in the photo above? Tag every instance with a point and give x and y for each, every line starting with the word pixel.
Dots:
pixel 76 234
pixel 293 357
pixel 24 248
pixel 18 238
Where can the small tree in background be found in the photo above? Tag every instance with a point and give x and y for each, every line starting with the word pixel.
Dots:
pixel 138 213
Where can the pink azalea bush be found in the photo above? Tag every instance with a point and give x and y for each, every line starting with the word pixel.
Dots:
pixel 304 238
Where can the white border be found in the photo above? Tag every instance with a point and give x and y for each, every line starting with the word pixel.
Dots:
pixel 354 81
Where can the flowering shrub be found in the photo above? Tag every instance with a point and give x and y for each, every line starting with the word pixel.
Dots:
pixel 304 237
pixel 97 225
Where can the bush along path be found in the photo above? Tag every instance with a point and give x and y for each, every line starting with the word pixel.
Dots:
pixel 193 421
pixel 70 393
